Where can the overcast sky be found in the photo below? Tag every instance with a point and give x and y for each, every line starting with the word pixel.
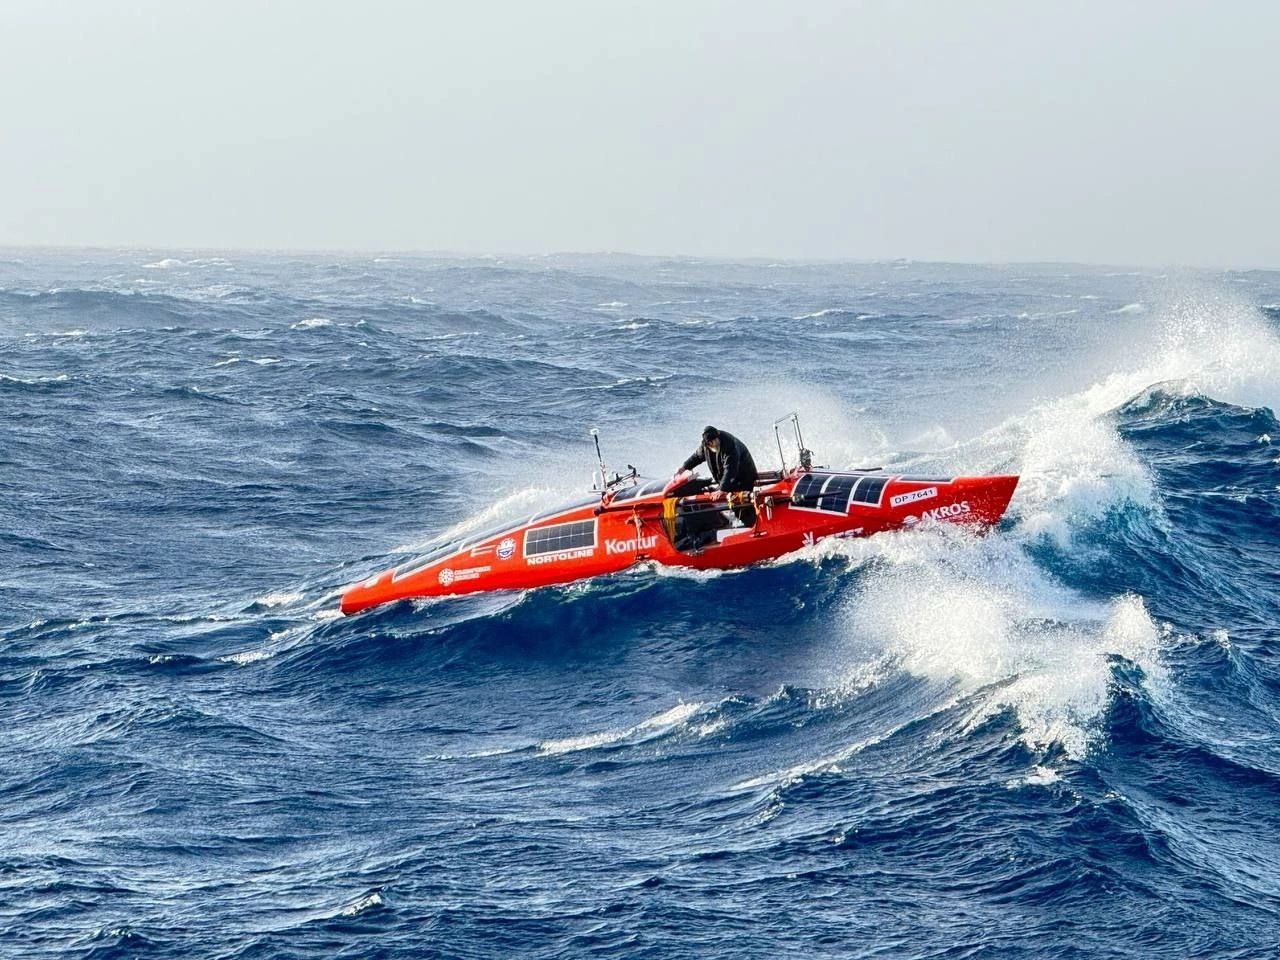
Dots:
pixel 1144 133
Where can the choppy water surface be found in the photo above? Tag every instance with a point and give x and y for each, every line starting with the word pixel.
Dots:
pixel 1056 741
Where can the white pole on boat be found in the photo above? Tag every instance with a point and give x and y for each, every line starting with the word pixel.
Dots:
pixel 604 477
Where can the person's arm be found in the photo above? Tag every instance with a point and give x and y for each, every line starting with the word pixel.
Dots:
pixel 698 456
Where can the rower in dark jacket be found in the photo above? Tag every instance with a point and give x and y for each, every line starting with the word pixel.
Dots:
pixel 728 459
pixel 731 466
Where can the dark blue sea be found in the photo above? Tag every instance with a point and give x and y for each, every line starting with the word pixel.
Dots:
pixel 1061 740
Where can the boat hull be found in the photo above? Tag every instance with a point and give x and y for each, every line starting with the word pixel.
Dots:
pixel 642 524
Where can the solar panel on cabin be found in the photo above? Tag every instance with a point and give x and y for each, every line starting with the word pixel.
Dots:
pixel 560 536
pixel 828 492
pixel 645 489
pixel 869 490
pixel 835 494
pixel 807 489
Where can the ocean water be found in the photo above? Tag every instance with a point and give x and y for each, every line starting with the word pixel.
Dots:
pixel 1059 740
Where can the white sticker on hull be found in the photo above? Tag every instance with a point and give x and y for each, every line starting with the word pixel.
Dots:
pixel 944 513
pixel 447 576
pixel 947 512
pixel 634 545
pixel 579 554
pixel 926 494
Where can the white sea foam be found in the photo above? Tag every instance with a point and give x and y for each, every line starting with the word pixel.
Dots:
pixel 215 291
pixel 311 323
pixel 980 612
pixel 1074 464
pixel 515 506
pixel 1063 680
pixel 247 656
pixel 1220 347
pixel 934 437
pixel 278 598
pixel 32 381
pixel 654 726
pixel 711 727
pixel 276 643
pixel 1040 776
pixel 369 901
pixel 257 361
pixel 689 573
pixel 830 763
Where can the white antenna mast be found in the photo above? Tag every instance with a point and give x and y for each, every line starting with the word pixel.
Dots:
pixel 604 476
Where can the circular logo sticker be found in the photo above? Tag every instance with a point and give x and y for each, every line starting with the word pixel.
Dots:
pixel 507 549
pixel 446 577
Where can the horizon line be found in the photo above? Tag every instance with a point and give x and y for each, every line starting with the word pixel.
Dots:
pixel 495 254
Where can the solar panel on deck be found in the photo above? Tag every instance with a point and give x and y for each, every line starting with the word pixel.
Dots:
pixel 806 490
pixel 828 492
pixel 835 494
pixel 869 489
pixel 639 490
pixel 560 536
